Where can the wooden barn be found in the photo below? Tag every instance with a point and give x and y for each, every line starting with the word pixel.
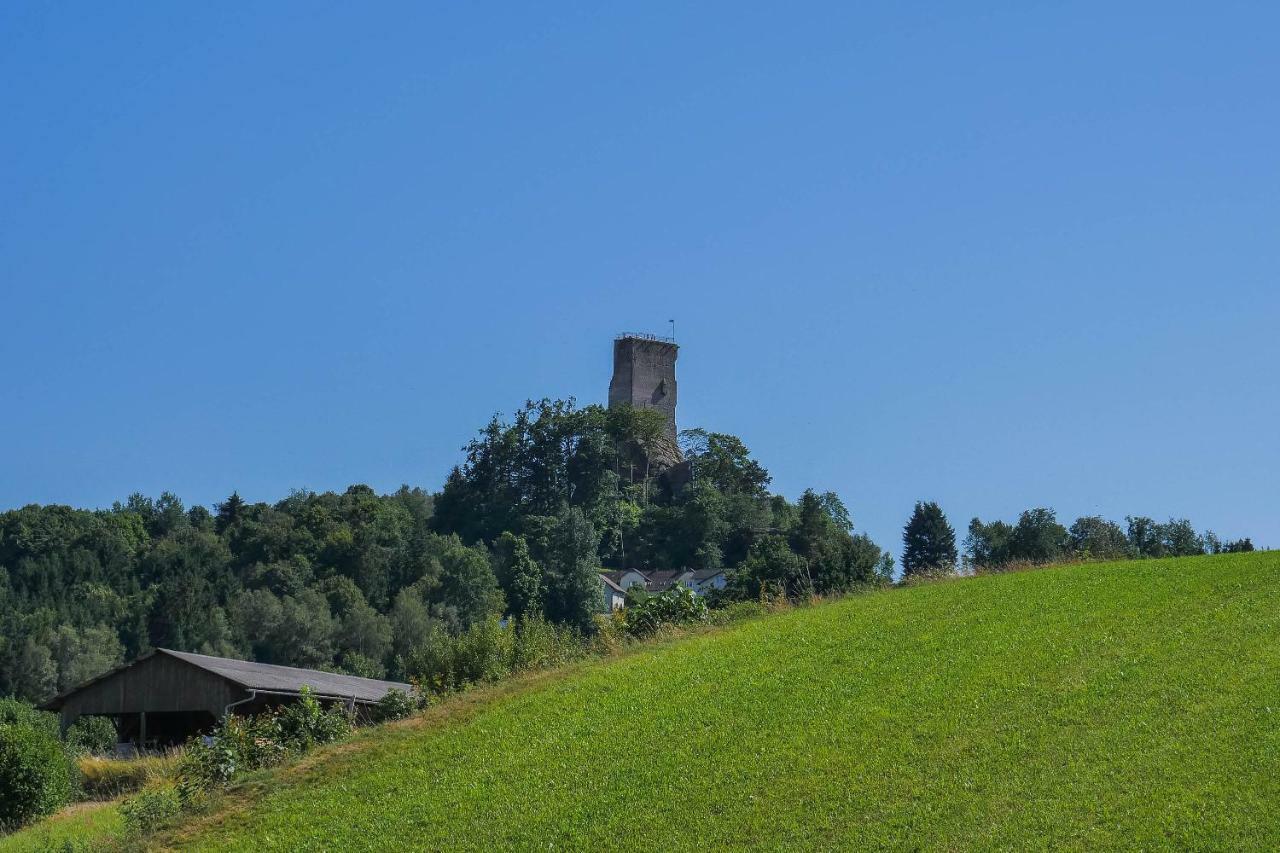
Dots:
pixel 165 697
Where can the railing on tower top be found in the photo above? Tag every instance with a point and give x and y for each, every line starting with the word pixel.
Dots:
pixel 644 336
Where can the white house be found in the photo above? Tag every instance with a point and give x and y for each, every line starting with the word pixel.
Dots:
pixel 705 580
pixel 613 596
pixel 630 578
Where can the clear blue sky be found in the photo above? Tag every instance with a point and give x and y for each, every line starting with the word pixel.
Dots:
pixel 1004 259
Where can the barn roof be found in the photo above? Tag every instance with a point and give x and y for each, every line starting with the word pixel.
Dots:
pixel 265 677
pixel 288 679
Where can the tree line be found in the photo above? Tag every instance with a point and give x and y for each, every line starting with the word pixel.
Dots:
pixel 929 541
pixel 361 582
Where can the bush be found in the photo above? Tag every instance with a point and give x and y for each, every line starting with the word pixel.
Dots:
pixel 91 735
pixel 483 652
pixel 205 766
pixel 539 644
pixel 150 809
pixel 107 778
pixel 306 723
pixel 241 744
pixel 238 744
pixel 36 774
pixel 444 663
pixel 395 705
pixel 611 634
pixel 737 611
pixel 678 605
pixel 17 711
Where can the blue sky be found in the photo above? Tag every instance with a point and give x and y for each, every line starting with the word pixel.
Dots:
pixel 1020 257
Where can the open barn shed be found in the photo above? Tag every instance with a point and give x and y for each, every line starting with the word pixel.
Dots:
pixel 165 697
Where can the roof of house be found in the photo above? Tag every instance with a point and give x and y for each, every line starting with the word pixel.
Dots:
pixel 706 574
pixel 610 582
pixel 265 677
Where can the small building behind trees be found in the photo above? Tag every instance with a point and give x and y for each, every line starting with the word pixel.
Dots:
pixel 165 697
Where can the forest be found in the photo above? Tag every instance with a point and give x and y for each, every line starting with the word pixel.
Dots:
pixel 358 582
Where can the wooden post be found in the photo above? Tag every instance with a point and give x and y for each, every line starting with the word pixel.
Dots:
pixel 142 731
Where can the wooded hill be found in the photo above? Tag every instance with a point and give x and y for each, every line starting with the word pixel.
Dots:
pixel 356 581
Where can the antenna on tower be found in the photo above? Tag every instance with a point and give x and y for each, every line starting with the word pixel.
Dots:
pixel 673 329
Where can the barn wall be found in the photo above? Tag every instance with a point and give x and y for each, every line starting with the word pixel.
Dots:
pixel 159 683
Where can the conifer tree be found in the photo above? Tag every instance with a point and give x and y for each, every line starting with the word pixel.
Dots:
pixel 929 542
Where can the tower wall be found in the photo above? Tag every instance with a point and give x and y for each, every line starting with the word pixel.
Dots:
pixel 644 375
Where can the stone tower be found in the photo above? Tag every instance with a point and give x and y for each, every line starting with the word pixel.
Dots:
pixel 644 375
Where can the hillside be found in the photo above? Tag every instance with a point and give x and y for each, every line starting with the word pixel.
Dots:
pixel 1122 704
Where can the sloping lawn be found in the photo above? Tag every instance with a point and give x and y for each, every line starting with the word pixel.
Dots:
pixel 75 826
pixel 1107 705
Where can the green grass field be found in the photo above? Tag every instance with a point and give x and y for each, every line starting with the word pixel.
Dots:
pixel 1107 705
pixel 72 828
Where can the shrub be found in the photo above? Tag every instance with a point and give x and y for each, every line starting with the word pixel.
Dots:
pixel 36 774
pixel 443 663
pixel 611 633
pixel 395 705
pixel 737 611
pixel 483 652
pixel 17 711
pixel 150 809
pixel 306 723
pixel 539 644
pixel 241 744
pixel 237 745
pixel 678 605
pixel 205 766
pixel 91 735
pixel 256 742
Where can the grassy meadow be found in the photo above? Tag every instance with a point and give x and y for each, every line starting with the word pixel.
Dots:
pixel 1131 704
pixel 77 827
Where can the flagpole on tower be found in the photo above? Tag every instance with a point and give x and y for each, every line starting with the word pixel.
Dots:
pixel 673 329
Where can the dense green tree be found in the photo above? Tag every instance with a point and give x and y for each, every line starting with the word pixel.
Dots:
pixel 573 592
pixel 1092 537
pixel 364 631
pixel 550 456
pixel 1179 538
pixel 724 462
pixel 772 570
pixel 1144 536
pixel 33 673
pixel 410 622
pixel 1038 537
pixel 81 655
pixel 988 545
pixel 835 560
pixel 519 576
pixel 468 587
pixel 229 513
pixel 928 541
pixel 306 633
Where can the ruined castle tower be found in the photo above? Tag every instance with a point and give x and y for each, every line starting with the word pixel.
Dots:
pixel 644 375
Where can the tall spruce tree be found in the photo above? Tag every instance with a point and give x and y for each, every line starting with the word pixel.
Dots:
pixel 929 542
